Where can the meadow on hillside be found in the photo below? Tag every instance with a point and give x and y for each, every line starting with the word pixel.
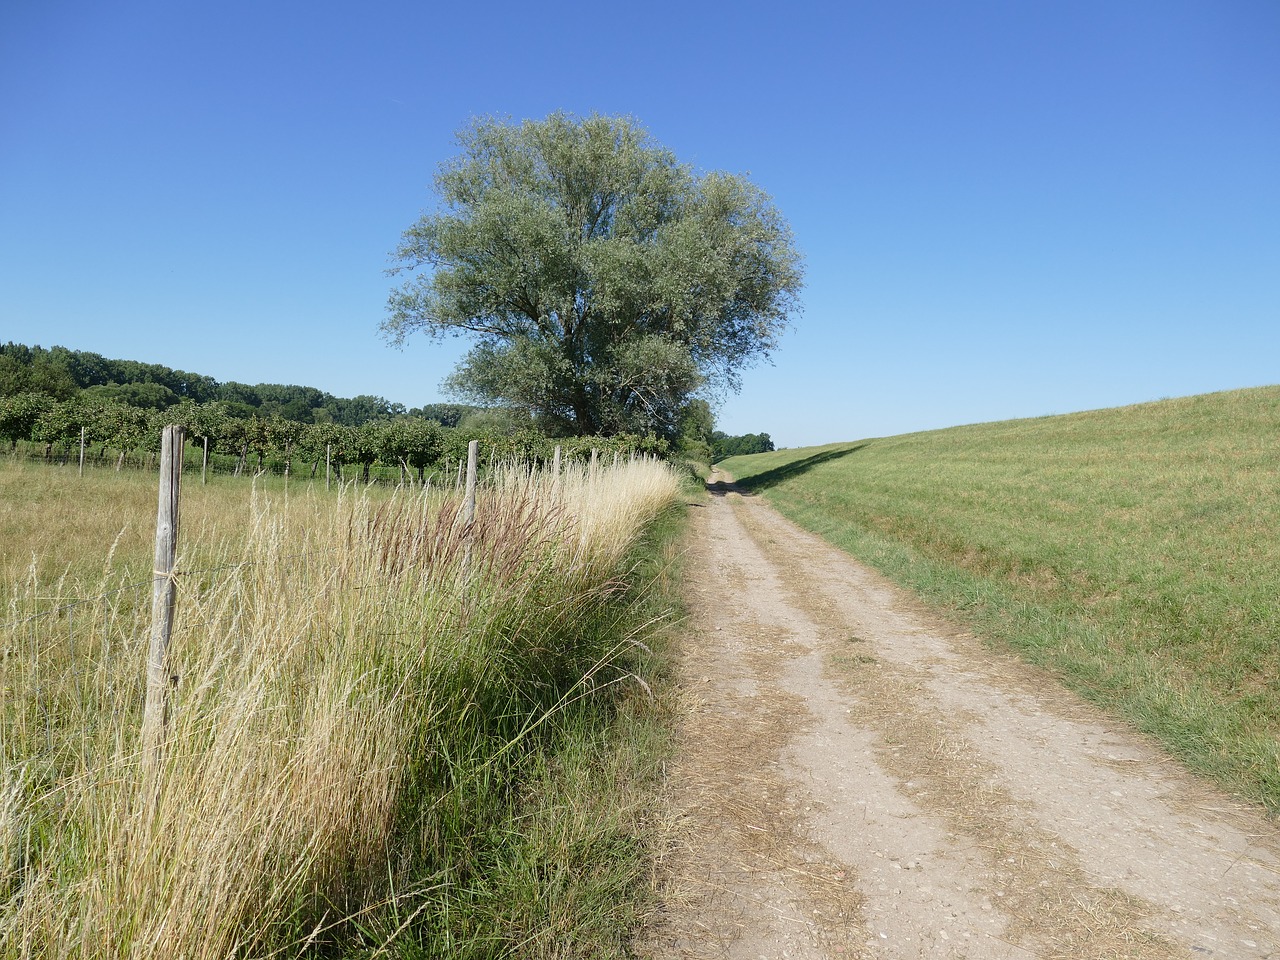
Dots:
pixel 1133 551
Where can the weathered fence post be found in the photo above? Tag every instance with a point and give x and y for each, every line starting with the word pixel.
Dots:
pixel 555 463
pixel 328 454
pixel 469 504
pixel 82 451
pixel 204 463
pixel 469 498
pixel 155 720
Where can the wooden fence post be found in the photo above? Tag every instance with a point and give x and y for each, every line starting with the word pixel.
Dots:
pixel 204 463
pixel 155 720
pixel 469 503
pixel 82 451
pixel 328 454
pixel 469 499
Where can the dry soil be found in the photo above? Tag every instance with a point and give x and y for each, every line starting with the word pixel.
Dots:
pixel 856 778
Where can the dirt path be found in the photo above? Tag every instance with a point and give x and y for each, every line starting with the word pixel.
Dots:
pixel 859 780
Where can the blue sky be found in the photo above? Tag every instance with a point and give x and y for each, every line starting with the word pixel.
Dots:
pixel 1007 209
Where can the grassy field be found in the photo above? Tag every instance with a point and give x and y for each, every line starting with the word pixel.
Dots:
pixel 388 738
pixel 1133 551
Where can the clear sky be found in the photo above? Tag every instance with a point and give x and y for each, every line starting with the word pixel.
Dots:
pixel 1007 209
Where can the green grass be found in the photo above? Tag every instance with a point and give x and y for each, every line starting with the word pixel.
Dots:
pixel 1134 551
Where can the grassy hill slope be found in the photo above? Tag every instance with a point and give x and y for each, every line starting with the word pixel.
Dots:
pixel 1134 551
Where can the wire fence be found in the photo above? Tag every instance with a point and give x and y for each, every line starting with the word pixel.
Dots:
pixel 309 466
pixel 60 664
pixel 219 464
pixel 71 659
pixel 64 661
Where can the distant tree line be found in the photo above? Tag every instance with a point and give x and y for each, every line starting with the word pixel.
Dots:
pixel 413 445
pixel 724 446
pixel 48 397
pixel 61 374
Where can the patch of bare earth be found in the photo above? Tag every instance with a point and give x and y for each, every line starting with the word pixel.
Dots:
pixel 858 779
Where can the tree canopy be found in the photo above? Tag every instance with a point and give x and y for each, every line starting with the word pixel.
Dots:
pixel 64 374
pixel 604 284
pixel 724 446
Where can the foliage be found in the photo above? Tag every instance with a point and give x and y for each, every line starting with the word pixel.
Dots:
pixel 242 434
pixel 62 421
pixel 445 414
pixel 255 444
pixel 25 371
pixel 696 430
pixel 19 414
pixel 408 442
pixel 63 374
pixel 148 396
pixel 495 420
pixel 602 282
pixel 723 445
pixel 1132 551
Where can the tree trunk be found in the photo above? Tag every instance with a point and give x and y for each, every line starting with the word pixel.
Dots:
pixel 584 414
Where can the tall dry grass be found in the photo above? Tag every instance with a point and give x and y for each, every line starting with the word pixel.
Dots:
pixel 358 680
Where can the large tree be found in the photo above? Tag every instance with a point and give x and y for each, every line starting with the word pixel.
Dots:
pixel 603 283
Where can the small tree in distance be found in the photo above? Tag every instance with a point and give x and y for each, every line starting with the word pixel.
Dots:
pixel 603 283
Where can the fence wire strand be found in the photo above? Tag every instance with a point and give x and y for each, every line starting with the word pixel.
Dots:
pixel 140 584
